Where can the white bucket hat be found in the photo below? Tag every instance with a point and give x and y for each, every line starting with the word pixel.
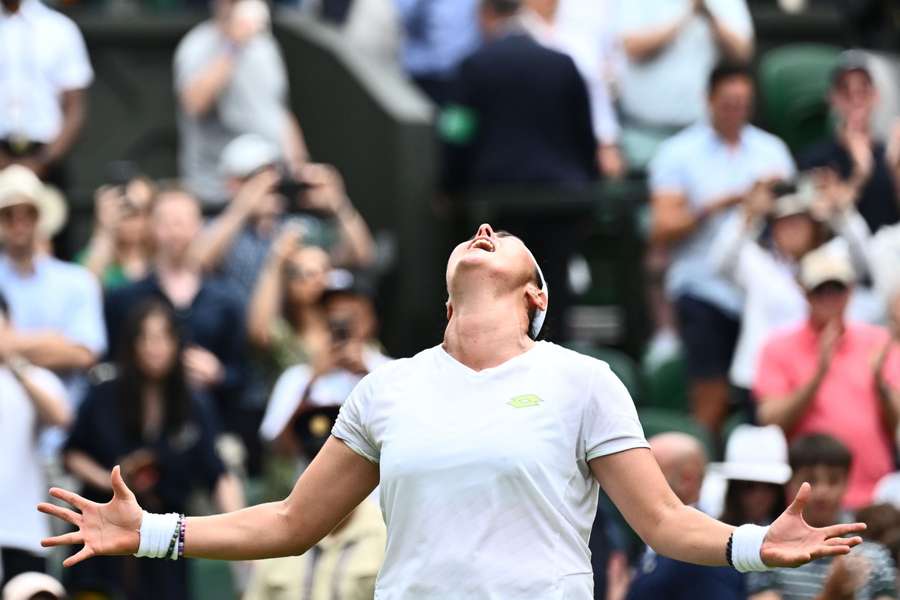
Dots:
pixel 18 186
pixel 755 454
pixel 26 585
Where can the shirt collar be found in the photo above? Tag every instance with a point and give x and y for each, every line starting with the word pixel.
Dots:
pixel 40 262
pixel 714 138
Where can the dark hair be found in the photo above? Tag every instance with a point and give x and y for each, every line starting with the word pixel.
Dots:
pixel 131 381
pixel 726 70
pixel 4 306
pixel 733 512
pixel 504 8
pixel 819 449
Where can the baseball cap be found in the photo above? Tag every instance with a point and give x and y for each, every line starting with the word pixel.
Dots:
pixel 246 154
pixel 824 265
pixel 755 454
pixel 793 200
pixel 26 585
pixel 849 61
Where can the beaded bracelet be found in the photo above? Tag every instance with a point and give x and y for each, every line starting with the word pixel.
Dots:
pixel 181 529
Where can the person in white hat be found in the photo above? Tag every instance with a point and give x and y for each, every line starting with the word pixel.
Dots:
pixel 820 376
pixel 29 586
pixel 489 451
pixel 56 306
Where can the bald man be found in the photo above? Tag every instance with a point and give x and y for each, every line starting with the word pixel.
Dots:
pixel 682 459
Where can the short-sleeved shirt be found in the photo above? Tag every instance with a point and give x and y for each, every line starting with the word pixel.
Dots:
pixel 659 577
pixel 698 164
pixel 42 55
pixel 879 199
pixel 806 582
pixel 186 458
pixel 669 89
pixel 58 297
pixel 846 404
pixel 253 101
pixel 22 467
pixel 485 484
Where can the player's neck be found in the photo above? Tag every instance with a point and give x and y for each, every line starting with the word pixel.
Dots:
pixel 486 334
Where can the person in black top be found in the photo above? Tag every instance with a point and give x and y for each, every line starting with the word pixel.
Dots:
pixel 867 165
pixel 147 420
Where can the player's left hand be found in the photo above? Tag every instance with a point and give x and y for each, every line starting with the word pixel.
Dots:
pixel 792 542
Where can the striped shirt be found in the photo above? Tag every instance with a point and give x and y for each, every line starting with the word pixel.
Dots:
pixel 806 582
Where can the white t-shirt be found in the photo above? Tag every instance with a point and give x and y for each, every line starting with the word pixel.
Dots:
pixel 485 485
pixel 21 472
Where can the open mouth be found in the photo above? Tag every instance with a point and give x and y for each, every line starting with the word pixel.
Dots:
pixel 482 243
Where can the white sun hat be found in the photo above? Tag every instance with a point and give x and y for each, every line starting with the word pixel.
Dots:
pixel 26 585
pixel 755 454
pixel 19 185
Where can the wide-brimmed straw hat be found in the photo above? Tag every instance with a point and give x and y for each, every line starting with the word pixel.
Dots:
pixel 19 186
pixel 755 454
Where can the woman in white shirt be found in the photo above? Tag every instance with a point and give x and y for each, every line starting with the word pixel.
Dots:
pixel 489 450
pixel 800 219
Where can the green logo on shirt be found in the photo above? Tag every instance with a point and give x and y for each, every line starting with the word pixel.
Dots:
pixel 524 401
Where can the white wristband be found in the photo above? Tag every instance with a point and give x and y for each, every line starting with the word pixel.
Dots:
pixel 157 532
pixel 746 545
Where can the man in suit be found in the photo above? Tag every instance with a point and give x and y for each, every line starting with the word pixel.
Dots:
pixel 522 115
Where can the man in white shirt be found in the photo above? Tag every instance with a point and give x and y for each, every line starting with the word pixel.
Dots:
pixel 44 74
pixel 671 46
pixel 696 179
pixel 30 398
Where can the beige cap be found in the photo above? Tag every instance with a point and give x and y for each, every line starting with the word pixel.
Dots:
pixel 26 585
pixel 824 265
pixel 18 185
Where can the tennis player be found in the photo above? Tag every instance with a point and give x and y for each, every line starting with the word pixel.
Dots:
pixel 489 449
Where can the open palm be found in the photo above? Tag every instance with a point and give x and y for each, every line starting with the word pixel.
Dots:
pixel 791 542
pixel 104 529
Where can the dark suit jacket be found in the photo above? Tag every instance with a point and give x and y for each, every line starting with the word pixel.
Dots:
pixel 532 117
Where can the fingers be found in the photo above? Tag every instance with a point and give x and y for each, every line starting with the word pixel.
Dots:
pixel 67 539
pixel 83 554
pixel 827 550
pixel 843 529
pixel 60 513
pixel 70 497
pixel 851 542
pixel 799 503
pixel 120 490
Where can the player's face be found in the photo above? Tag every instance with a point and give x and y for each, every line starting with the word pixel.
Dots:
pixel 490 257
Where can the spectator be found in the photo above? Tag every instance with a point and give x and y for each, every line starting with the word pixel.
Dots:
pixel 286 321
pixel 696 180
pixel 208 314
pixel 683 462
pixel 118 252
pixel 864 163
pixel 45 73
pixel 34 586
pixel 584 41
pixel 30 398
pixel 531 107
pixel 439 34
pixel 230 79
pixel 343 565
pixel 148 420
pixel 56 307
pixel 671 48
pixel 353 351
pixel 760 248
pixel 753 475
pixel 806 375
pixel 866 574
pixel 237 242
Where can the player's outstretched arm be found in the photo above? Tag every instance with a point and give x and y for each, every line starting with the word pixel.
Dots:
pixel 636 485
pixel 330 488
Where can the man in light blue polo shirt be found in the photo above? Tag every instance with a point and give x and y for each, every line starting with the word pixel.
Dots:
pixel 56 306
pixel 696 179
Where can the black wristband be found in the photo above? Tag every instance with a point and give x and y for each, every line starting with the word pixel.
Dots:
pixel 729 549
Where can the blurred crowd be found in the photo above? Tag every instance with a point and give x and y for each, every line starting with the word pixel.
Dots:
pixel 207 332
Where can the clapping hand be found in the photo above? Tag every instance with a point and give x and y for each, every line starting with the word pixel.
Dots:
pixel 792 542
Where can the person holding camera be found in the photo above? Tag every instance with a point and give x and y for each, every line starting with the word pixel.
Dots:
pixel 266 196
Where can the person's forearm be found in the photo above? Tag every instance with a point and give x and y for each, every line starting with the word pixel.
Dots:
pixel 229 494
pixel 786 412
pixel 87 469
pixel 725 252
pixel 688 535
pixel 53 351
pixel 733 45
pixel 295 150
pixel 74 108
pixel 357 248
pixel 100 254
pixel 264 304
pixel 644 45
pixel 201 93
pixel 211 245
pixel 674 228
pixel 889 398
pixel 851 226
pixel 50 409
